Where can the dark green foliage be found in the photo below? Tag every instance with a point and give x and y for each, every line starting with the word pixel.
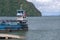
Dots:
pixel 9 7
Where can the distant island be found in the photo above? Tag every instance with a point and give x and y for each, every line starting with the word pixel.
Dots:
pixel 9 8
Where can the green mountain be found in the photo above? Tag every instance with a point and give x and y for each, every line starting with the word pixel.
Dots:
pixel 9 7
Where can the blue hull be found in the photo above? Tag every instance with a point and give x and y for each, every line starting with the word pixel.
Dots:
pixel 14 25
pixel 11 27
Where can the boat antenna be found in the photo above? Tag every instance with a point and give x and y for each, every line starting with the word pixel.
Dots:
pixel 21 6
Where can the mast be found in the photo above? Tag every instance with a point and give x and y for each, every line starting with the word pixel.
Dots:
pixel 21 6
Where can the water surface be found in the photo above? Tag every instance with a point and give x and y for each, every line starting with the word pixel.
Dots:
pixel 41 28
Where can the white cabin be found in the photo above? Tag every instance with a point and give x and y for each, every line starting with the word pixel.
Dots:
pixel 20 14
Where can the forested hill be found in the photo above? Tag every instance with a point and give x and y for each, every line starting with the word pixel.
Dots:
pixel 9 7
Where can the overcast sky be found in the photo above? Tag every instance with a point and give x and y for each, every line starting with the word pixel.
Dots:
pixel 47 7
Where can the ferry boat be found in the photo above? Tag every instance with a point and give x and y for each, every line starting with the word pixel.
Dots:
pixel 14 23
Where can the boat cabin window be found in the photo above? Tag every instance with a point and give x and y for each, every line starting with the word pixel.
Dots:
pixel 9 23
pixel 20 11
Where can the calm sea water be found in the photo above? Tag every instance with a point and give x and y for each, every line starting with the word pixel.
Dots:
pixel 41 28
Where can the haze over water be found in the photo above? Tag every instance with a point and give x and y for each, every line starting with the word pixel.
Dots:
pixel 44 23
